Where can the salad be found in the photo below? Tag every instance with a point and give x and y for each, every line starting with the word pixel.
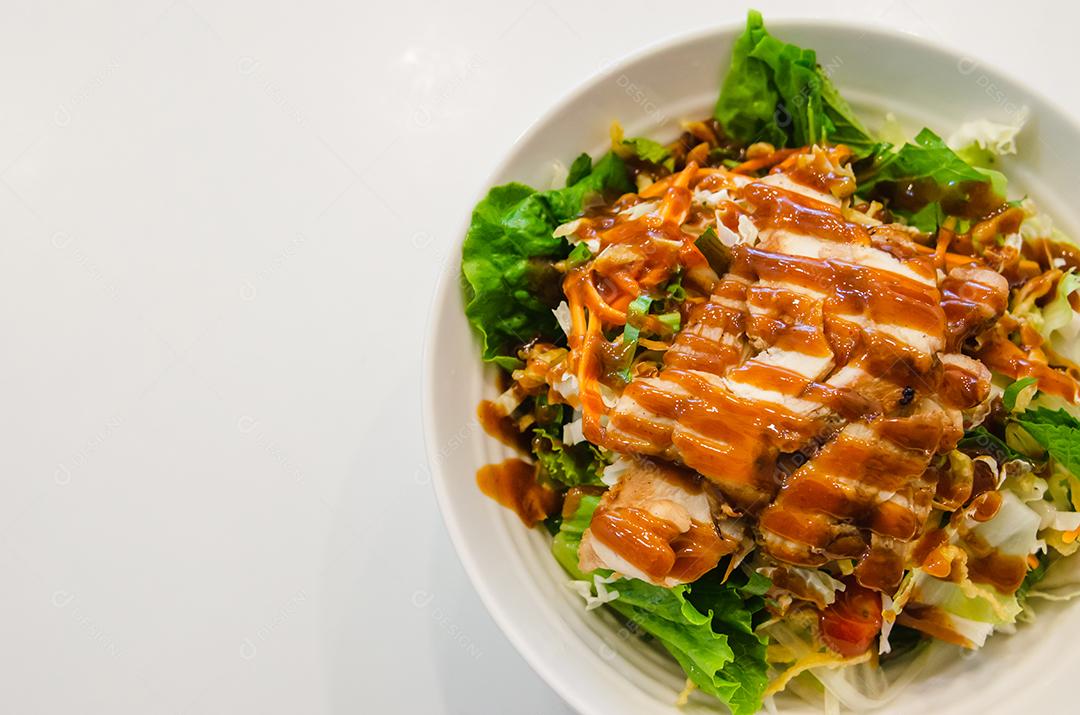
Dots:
pixel 796 403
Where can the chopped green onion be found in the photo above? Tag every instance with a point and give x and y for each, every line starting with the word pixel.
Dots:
pixel 716 253
pixel 579 255
pixel 675 290
pixel 1012 392
pixel 671 320
pixel 635 314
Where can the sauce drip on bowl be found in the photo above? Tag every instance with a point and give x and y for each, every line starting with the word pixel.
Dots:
pixel 512 483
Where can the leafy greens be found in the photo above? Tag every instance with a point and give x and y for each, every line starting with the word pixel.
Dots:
pixel 937 173
pixel 982 441
pixel 1057 432
pixel 651 151
pixel 508 255
pixel 708 627
pixel 776 92
pixel 570 465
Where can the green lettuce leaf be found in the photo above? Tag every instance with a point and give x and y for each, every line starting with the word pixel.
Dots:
pixel 928 158
pixel 508 254
pixel 581 168
pixel 776 92
pixel 927 219
pixel 1058 432
pixel 981 441
pixel 924 181
pixel 651 151
pixel 707 626
pixel 570 465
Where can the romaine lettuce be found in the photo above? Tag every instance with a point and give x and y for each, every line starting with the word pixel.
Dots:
pixel 775 92
pixel 507 257
pixel 981 441
pixel 570 465
pixel 651 151
pixel 1059 434
pixel 708 627
pixel 927 172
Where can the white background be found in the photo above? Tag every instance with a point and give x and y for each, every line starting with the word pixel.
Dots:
pixel 220 229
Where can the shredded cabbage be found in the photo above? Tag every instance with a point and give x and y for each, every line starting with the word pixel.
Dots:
pixel 1061 582
pixel 1060 323
pixel 818 582
pixel 978 142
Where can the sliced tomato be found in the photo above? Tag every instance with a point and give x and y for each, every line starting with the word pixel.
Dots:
pixel 850 624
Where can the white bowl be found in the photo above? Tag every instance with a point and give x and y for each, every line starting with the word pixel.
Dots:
pixel 585 657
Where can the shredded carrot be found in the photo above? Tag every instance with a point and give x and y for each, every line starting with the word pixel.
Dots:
pixel 764 162
pixel 684 177
pixel 698 154
pixel 592 402
pixel 655 275
pixel 657 188
pixel 676 202
pixel 571 287
pixel 710 170
pixel 952 260
pixel 599 307
pixel 625 282
pixel 945 236
pixel 701 131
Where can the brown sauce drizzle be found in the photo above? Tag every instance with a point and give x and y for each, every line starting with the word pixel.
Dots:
pixel 969 305
pixel 928 543
pixel 1045 250
pixel 966 199
pixel 513 484
pixel 933 621
pixel 852 288
pixel 882 568
pixel 1002 571
pixel 858 498
pixel 985 506
pixel 983 484
pixel 961 389
pixel 501 426
pixel 656 546
pixel 818 170
pixel 1003 356
pixel 777 208
pixel 639 537
pixel 954 487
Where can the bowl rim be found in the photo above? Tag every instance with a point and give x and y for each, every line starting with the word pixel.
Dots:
pixel 449 272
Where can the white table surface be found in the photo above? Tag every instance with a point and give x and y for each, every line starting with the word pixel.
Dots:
pixel 220 229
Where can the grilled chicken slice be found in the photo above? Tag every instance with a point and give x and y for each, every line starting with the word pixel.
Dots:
pixel 811 390
pixel 973 297
pixel 661 524
pixel 866 495
pixel 832 318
